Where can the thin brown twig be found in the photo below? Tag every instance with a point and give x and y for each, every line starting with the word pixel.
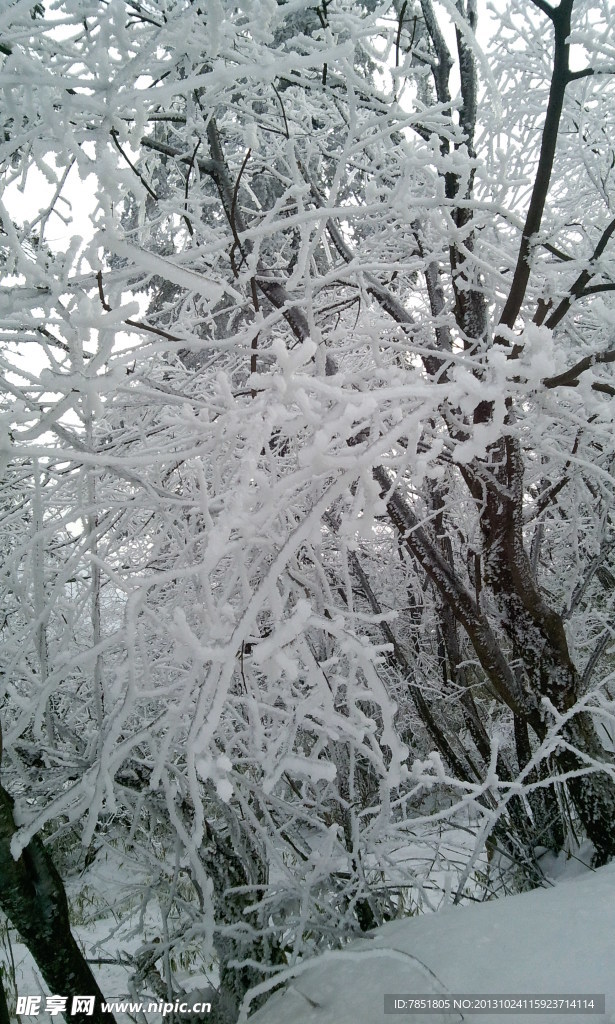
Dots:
pixel 188 173
pixel 237 244
pixel 286 131
pixel 132 166
pixel 236 240
pixel 129 321
pixel 399 28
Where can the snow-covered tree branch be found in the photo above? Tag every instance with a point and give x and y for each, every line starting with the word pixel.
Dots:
pixel 307 436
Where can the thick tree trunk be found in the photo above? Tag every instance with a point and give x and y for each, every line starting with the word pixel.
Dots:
pixel 33 897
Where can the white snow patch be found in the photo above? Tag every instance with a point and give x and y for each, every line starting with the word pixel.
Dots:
pixel 557 940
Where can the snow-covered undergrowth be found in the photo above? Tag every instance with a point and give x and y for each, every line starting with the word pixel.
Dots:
pixel 557 940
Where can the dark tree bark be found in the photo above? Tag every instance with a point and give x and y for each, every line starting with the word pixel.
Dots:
pixel 4 1010
pixel 33 897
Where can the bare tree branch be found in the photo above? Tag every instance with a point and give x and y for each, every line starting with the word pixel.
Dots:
pixel 559 78
pixel 579 289
pixel 570 377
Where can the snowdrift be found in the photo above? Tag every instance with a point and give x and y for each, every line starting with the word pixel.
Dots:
pixel 554 941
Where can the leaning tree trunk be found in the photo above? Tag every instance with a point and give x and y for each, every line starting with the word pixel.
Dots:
pixel 537 634
pixel 33 897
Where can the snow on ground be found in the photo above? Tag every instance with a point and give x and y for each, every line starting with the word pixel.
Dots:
pixel 106 910
pixel 557 941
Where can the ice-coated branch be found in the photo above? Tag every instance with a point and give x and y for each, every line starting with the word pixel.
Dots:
pixel 579 288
